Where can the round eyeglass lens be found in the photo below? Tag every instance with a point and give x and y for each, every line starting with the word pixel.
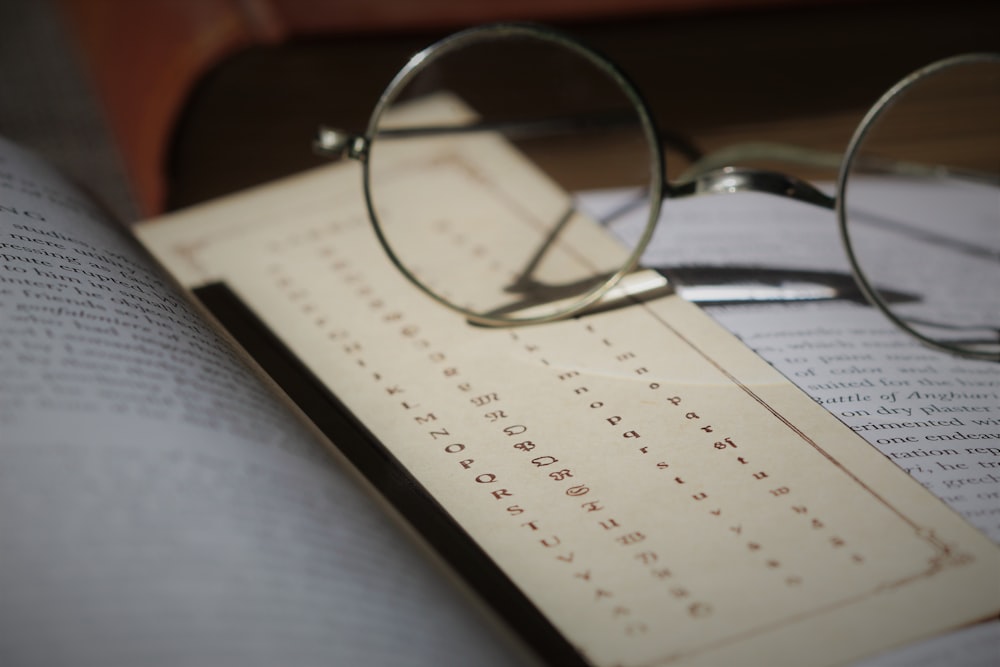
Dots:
pixel 478 152
pixel 920 204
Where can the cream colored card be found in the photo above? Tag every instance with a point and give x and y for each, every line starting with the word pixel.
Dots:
pixel 660 493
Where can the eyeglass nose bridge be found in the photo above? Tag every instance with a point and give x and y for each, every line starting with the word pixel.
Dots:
pixel 741 179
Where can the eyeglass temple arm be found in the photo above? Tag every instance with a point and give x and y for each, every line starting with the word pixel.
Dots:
pixel 334 142
pixel 331 142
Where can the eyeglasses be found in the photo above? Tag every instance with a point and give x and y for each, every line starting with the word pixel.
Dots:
pixel 919 220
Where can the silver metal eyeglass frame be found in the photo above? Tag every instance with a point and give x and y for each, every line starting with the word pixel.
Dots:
pixel 884 103
pixel 336 143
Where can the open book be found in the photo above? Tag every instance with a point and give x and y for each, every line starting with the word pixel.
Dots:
pixel 635 487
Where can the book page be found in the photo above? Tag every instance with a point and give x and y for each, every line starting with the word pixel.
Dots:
pixel 661 494
pixel 157 504
pixel 935 415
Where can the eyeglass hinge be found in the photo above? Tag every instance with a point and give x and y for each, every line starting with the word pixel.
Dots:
pixel 333 143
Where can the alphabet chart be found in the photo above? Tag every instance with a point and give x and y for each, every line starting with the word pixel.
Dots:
pixel 656 491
